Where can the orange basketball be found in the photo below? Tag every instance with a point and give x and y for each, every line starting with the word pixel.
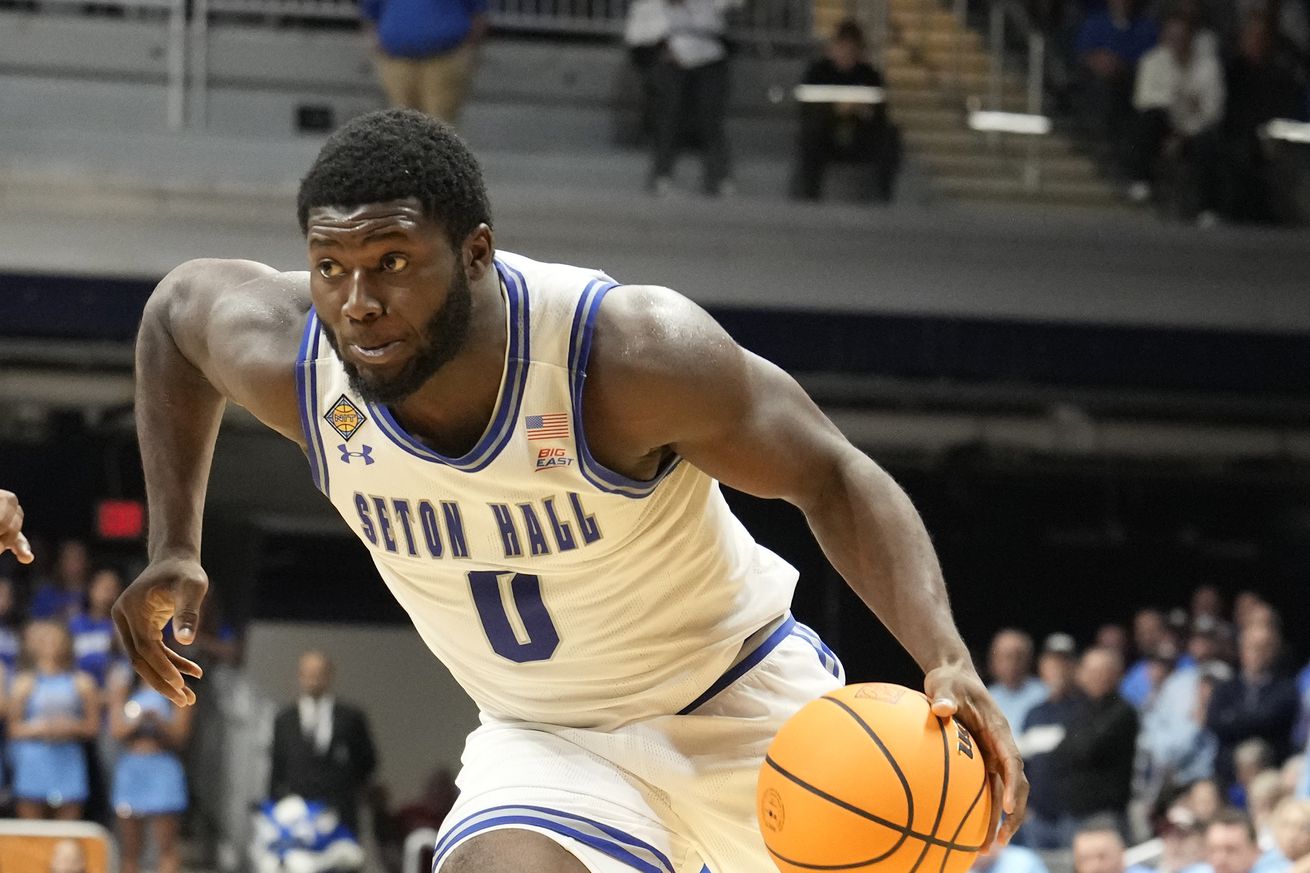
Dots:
pixel 867 778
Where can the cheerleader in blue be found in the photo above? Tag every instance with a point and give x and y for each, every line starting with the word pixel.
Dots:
pixel 53 710
pixel 149 783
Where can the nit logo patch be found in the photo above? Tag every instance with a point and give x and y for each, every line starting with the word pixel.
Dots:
pixel 548 458
pixel 345 417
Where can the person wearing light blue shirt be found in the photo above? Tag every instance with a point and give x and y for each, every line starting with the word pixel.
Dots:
pixel 1008 859
pixel 1303 785
pixel 1014 688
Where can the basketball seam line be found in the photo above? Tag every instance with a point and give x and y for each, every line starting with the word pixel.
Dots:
pixel 904 831
pixel 941 803
pixel 886 753
pixel 968 812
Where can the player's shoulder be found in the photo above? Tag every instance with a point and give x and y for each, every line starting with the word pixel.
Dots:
pixel 231 279
pixel 656 329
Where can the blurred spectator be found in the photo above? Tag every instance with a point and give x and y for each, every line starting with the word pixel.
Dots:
pixel 1262 85
pixel 62 596
pixel 93 630
pixel 9 639
pixel 1099 848
pixel 1149 634
pixel 1110 42
pixel 1255 703
pixel 1179 98
pixel 691 93
pixel 1291 772
pixel 322 748
pixel 1113 636
pixel 1008 859
pixel 53 710
pixel 1015 689
pixel 426 51
pixel 1263 794
pixel 68 856
pixel 1205 800
pixel 1096 756
pixel 1230 845
pixel 1207 602
pixel 1182 842
pixel 149 783
pixel 1043 729
pixel 1290 826
pixel 840 132
pixel 1302 732
pixel 644 32
pixel 1245 606
pixel 1251 758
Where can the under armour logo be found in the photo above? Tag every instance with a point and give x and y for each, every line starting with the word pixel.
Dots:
pixel 366 452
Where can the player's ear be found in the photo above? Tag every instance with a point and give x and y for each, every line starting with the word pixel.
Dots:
pixel 479 252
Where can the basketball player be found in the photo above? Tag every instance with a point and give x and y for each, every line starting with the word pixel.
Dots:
pixel 531 452
pixel 11 528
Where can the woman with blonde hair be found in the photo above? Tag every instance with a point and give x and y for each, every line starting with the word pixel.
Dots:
pixel 53 709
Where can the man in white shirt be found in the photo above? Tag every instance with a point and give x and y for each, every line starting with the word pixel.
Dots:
pixel 690 81
pixel 1179 97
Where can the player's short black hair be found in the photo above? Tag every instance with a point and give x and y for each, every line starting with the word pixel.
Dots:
pixel 394 154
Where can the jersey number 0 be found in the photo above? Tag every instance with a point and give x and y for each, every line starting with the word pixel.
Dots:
pixel 535 637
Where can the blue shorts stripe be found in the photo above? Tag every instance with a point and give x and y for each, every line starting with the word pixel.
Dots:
pixel 742 667
pixel 611 841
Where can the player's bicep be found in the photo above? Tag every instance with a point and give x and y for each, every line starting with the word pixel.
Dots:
pixel 761 433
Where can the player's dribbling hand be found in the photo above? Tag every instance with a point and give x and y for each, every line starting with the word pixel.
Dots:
pixel 171 588
pixel 959 692
pixel 11 528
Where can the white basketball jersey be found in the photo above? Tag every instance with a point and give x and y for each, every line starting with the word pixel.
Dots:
pixel 555 590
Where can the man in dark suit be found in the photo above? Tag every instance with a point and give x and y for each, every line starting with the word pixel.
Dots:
pixel 322 748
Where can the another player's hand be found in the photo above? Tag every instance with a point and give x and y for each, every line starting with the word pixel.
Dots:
pixel 958 691
pixel 171 588
pixel 11 528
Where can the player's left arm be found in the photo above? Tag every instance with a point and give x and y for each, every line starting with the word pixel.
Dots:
pixel 669 378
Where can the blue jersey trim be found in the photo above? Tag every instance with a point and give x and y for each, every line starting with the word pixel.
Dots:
pixel 500 430
pixel 610 840
pixel 307 392
pixel 827 657
pixel 584 325
pixel 742 667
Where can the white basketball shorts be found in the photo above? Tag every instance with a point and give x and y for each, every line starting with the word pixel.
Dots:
pixel 671 794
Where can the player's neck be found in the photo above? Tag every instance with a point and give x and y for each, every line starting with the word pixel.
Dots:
pixel 452 409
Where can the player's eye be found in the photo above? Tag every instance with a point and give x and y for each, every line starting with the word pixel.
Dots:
pixel 329 269
pixel 394 263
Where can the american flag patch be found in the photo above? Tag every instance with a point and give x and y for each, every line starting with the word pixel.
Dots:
pixel 551 426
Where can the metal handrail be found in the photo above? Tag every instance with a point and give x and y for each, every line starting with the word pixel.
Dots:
pixel 1009 12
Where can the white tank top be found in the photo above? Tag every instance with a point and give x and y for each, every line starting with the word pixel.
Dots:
pixel 553 589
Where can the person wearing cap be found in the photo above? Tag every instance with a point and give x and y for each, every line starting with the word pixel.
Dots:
pixel 1043 729
pixel 1014 688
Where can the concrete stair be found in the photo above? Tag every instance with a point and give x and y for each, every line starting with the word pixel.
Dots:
pixel 934 67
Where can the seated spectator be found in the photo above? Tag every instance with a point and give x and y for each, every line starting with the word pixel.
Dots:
pixel 1096 756
pixel 1113 636
pixel 1291 838
pixel 840 132
pixel 1179 98
pixel 1008 859
pixel 9 639
pixel 149 783
pixel 1230 845
pixel 1251 758
pixel 690 81
pixel 1110 42
pixel 1043 730
pixel 1264 792
pixel 62 596
pixel 1182 842
pixel 1256 703
pixel 1149 633
pixel 1263 84
pixel 53 711
pixel 1014 688
pixel 1205 800
pixel 1098 848
pixel 93 629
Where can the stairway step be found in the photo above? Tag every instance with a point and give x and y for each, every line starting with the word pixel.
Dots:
pixel 1013 190
pixel 965 141
pixel 915 38
pixel 924 18
pixel 1051 168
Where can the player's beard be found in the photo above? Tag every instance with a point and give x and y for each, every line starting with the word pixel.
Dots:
pixel 443 338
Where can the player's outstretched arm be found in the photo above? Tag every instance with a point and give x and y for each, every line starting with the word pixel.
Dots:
pixel 676 381
pixel 11 528
pixel 212 331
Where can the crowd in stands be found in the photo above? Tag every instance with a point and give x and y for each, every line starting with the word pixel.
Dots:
pixel 1178 92
pixel 1193 731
